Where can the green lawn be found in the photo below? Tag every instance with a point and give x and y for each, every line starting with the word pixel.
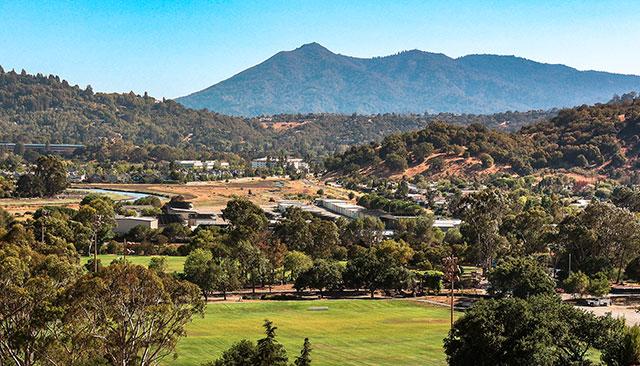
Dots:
pixel 174 264
pixel 351 332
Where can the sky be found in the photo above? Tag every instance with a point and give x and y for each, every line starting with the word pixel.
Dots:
pixel 173 48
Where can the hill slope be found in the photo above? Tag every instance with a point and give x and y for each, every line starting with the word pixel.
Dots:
pixel 313 79
pixel 41 109
pixel 602 139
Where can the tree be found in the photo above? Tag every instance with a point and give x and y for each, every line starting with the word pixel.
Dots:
pixel 527 231
pixel 158 264
pixel 599 285
pixel 323 275
pixel 364 231
pixel 245 217
pixel 374 269
pixel 540 330
pixel 228 277
pixel 296 263
pixel 325 238
pixel 482 214
pixel 396 162
pixel 600 237
pixel 486 160
pixel 31 287
pixel 294 230
pixel 50 170
pixel 305 354
pixel 200 270
pixel 520 277
pixel 624 348
pixel 28 185
pixel 576 283
pixel 268 351
pixel 432 281
pixel 242 353
pixel 138 314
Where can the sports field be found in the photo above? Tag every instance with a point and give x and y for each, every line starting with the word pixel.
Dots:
pixel 350 332
pixel 174 264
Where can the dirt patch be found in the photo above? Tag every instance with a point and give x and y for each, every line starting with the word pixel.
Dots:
pixel 214 195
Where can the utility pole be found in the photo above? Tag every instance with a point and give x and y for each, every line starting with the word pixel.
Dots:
pixel 451 271
pixel 569 263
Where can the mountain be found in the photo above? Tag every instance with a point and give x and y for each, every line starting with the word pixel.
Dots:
pixel 313 79
pixel 587 141
pixel 46 109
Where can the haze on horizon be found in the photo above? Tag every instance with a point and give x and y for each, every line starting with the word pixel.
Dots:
pixel 171 49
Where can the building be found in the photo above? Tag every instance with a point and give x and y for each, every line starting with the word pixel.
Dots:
pixel 202 164
pixel 446 224
pixel 124 224
pixel 177 211
pixel 343 208
pixel 314 210
pixel 269 162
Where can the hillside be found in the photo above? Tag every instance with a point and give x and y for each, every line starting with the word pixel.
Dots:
pixel 589 140
pixel 46 109
pixel 38 108
pixel 313 79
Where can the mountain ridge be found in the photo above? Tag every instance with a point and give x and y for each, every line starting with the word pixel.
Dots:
pixel 313 79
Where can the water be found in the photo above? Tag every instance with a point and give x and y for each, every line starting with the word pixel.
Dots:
pixel 130 196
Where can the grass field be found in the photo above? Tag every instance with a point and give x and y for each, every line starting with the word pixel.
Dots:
pixel 174 264
pixel 351 332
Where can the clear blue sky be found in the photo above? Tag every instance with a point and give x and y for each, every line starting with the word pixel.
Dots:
pixel 172 48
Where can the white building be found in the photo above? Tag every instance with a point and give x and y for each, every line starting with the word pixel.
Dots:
pixel 446 224
pixel 124 224
pixel 202 165
pixel 267 162
pixel 343 208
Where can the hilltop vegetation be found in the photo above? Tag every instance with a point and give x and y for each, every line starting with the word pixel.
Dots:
pixel 311 78
pixel 599 139
pixel 46 109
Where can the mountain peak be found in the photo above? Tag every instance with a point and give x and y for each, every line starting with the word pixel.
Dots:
pixel 311 78
pixel 313 47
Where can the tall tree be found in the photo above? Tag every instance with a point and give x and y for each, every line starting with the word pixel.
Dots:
pixel 50 170
pixel 482 213
pixel 138 313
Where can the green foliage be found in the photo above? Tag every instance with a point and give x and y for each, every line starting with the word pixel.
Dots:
pixel 600 237
pixel 158 264
pixel 599 285
pixel 392 206
pixel 432 281
pixel 539 331
pixel 47 179
pixel 486 160
pixel 323 275
pixel 576 283
pixel 520 277
pixel 623 349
